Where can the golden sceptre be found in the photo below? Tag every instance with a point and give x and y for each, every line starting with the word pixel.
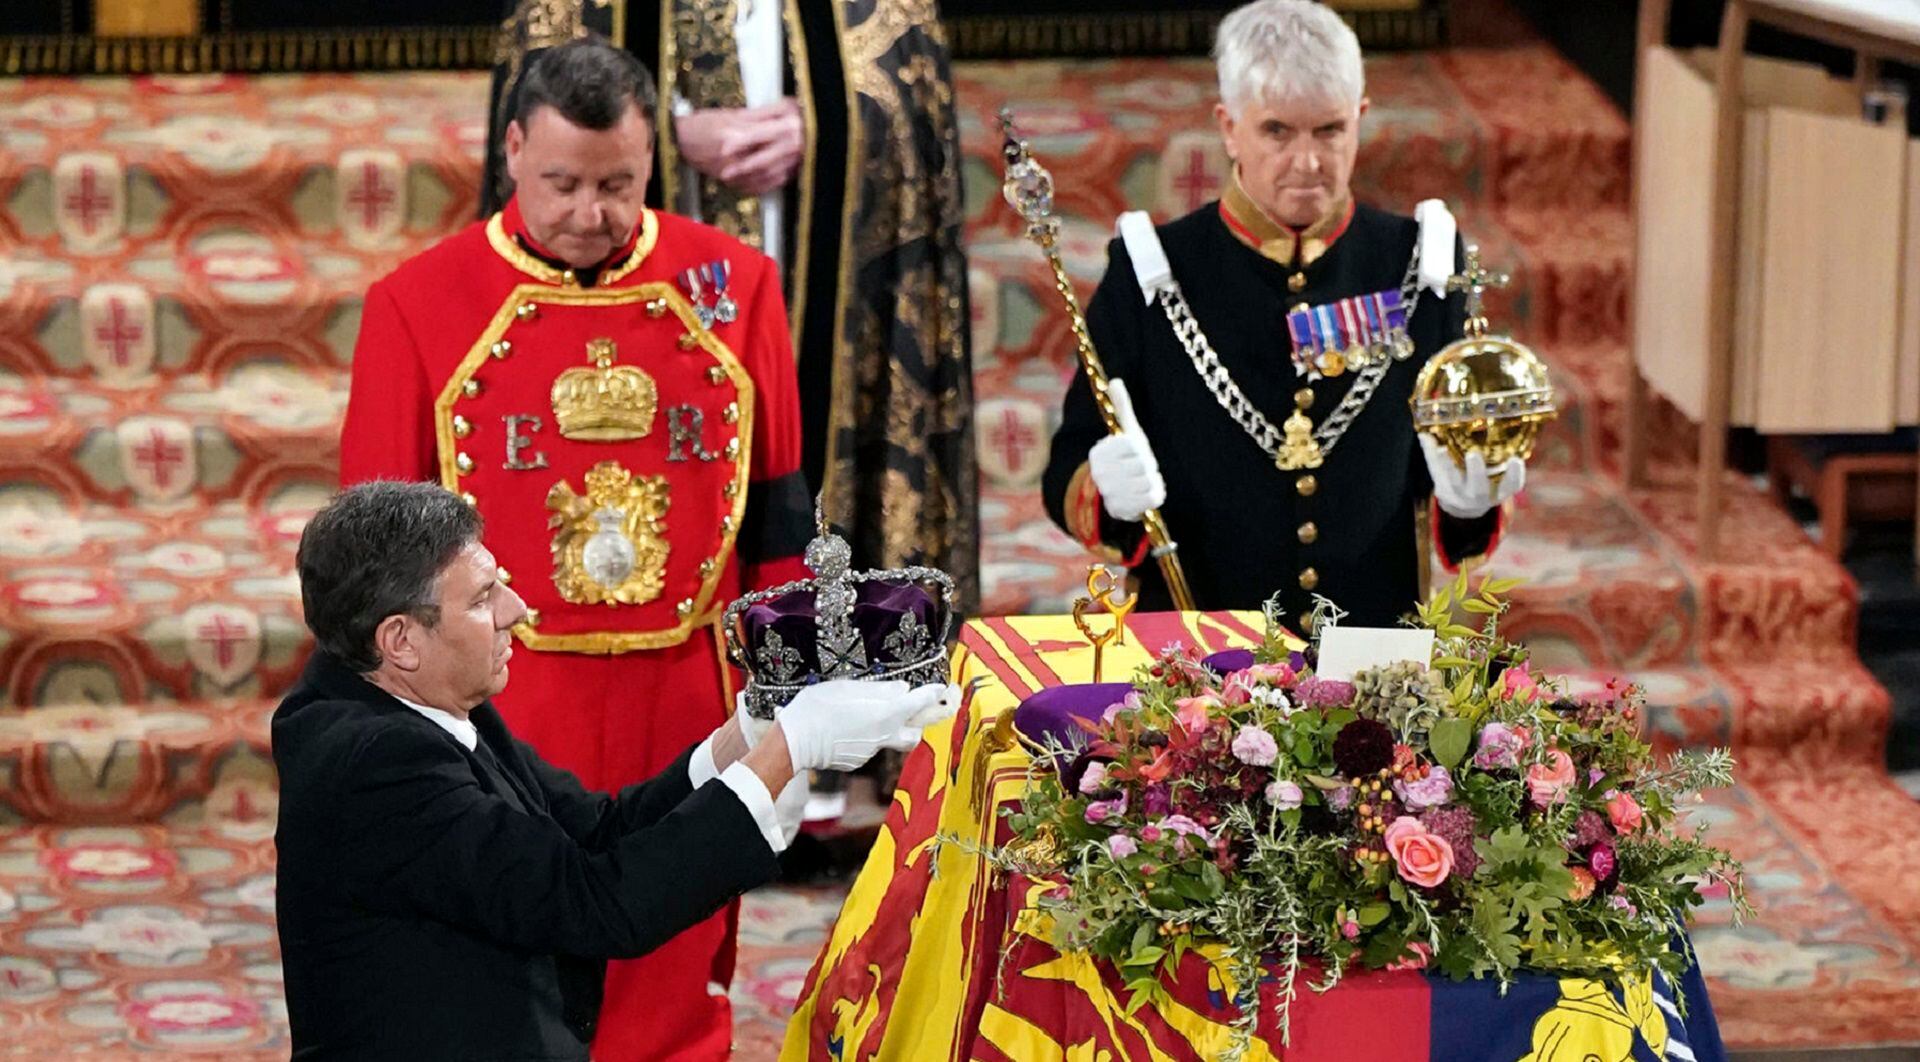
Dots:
pixel 1028 188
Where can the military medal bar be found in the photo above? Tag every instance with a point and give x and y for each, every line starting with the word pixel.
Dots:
pixel 1352 333
pixel 715 277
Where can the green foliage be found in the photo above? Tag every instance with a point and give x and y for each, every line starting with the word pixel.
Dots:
pixel 1217 865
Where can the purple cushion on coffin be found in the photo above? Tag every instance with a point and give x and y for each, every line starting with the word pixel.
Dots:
pixel 878 609
pixel 1227 661
pixel 1051 712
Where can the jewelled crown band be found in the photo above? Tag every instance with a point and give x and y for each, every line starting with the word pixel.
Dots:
pixel 876 625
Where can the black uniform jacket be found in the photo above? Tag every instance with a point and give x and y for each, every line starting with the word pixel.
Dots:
pixel 436 903
pixel 1346 530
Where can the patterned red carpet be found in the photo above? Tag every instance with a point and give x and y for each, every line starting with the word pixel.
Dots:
pixel 180 268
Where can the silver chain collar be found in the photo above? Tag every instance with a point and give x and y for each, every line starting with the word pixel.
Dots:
pixel 1206 362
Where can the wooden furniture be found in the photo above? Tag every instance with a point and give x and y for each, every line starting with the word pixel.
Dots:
pixel 1875 478
pixel 1777 237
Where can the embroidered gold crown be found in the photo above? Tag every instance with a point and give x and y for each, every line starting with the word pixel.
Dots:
pixel 606 403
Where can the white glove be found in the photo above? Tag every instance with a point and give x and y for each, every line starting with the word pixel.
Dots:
pixel 839 725
pixel 1123 465
pixel 1470 492
pixel 752 728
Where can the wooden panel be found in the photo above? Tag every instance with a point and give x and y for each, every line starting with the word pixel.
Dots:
pixel 1829 314
pixel 1750 244
pixel 1674 175
pixel 1908 372
pixel 146 18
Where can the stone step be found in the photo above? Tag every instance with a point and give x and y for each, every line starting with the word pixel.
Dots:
pixel 259 430
pixel 104 605
pixel 1139 134
pixel 201 761
pixel 202 304
pixel 367 159
pixel 127 941
pixel 1615 575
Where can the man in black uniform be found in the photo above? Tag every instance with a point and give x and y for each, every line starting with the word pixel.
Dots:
pixel 1281 421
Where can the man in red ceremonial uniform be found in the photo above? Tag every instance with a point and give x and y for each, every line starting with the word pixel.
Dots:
pixel 613 387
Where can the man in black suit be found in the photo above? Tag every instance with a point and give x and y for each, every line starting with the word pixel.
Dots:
pixel 443 892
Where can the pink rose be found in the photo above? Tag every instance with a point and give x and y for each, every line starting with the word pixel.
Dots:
pixel 1094 779
pixel 1404 826
pixel 1101 810
pixel 1272 674
pixel 1500 746
pixel 1517 683
pixel 1195 714
pixel 1549 781
pixel 1284 795
pixel 1624 811
pixel 1185 827
pixel 1255 746
pixel 1422 857
pixel 1122 846
pixel 1150 833
pixel 1237 691
pixel 1421 950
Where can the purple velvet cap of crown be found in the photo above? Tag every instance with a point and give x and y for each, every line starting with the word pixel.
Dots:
pixel 1051 713
pixel 879 607
pixel 1227 661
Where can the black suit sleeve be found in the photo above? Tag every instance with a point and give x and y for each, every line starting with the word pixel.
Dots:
pixel 1114 324
pixel 421 838
pixel 596 819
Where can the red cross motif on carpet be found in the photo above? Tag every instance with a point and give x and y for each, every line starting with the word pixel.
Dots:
pixel 89 199
pixel 118 340
pixel 87 202
pixel 371 186
pixel 1193 173
pixel 156 456
pixel 1013 440
pixel 223 642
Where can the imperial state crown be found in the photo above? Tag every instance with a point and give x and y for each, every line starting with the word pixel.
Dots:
pixel 876 625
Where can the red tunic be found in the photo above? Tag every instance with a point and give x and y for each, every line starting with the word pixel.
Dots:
pixel 637 470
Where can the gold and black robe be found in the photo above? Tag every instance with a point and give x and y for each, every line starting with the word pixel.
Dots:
pixel 876 281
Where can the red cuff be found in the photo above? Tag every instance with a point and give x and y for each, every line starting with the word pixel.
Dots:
pixel 1448 561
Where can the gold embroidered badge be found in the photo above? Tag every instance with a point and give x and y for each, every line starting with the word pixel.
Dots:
pixel 604 403
pixel 609 546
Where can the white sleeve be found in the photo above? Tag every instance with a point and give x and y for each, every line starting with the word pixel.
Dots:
pixel 759 803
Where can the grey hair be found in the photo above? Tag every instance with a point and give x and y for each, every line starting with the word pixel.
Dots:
pixel 1274 50
pixel 377 550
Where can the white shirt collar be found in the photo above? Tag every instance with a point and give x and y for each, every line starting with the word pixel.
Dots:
pixel 462 730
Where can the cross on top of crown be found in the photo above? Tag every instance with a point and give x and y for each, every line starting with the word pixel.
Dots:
pixel 1475 280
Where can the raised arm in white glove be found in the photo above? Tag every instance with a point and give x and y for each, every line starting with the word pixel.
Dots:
pixel 1470 492
pixel 839 725
pixel 1123 466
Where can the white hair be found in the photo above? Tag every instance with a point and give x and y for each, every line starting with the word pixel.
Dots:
pixel 1277 50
